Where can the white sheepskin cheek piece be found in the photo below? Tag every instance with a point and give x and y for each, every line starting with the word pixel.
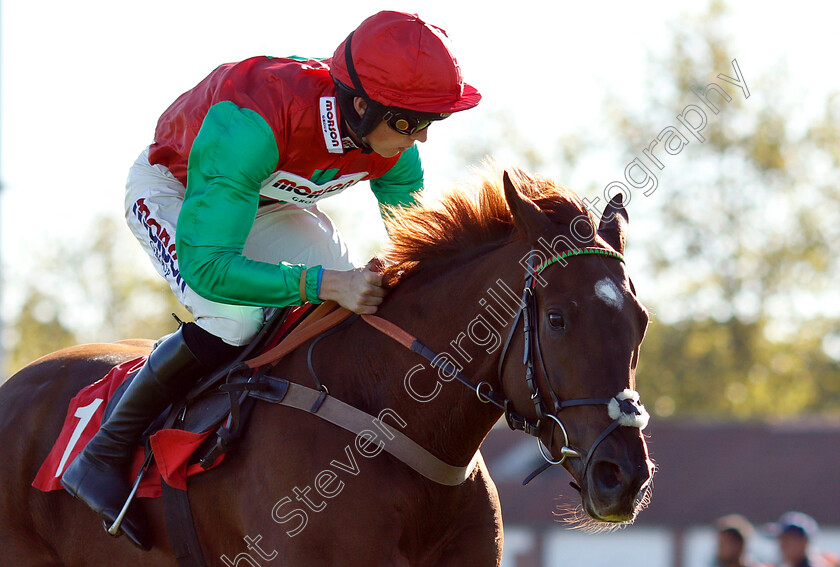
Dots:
pixel 628 419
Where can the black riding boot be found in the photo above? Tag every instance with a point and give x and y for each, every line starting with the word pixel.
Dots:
pixel 99 475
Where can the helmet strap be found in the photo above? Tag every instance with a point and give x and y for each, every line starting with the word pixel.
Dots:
pixel 350 119
pixel 364 125
pixel 351 68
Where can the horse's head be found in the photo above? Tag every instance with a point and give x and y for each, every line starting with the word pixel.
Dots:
pixel 583 328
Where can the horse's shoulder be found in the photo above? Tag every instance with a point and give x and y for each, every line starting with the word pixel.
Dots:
pixel 474 532
pixel 481 500
pixel 482 482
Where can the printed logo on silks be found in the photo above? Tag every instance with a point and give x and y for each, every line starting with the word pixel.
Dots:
pixel 161 244
pixel 291 188
pixel 329 125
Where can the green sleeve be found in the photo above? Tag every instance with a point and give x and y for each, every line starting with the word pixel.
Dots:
pixel 234 152
pixel 399 185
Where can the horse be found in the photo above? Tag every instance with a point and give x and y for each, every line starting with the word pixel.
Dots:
pixel 511 283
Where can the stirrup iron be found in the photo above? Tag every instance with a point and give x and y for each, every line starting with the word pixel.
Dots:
pixel 114 529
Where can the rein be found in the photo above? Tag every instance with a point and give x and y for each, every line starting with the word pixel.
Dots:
pixel 624 408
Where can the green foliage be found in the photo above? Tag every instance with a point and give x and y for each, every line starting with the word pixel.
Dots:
pixel 37 331
pixel 93 291
pixel 734 242
pixel 745 218
pixel 731 369
pixel 745 223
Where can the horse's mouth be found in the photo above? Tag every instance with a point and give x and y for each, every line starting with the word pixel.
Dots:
pixel 610 498
pixel 616 510
pixel 588 518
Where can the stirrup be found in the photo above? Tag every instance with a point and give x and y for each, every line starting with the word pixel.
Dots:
pixel 115 528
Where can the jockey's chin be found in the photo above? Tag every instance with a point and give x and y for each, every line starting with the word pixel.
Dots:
pixel 389 143
pixel 390 152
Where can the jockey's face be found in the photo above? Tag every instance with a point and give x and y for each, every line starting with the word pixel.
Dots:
pixel 388 143
pixel 384 140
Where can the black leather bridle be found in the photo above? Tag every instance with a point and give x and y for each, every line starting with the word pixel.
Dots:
pixel 624 408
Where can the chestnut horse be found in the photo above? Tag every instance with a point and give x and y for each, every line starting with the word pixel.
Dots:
pixel 301 491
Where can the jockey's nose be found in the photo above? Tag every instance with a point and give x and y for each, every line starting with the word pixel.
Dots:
pixel 421 135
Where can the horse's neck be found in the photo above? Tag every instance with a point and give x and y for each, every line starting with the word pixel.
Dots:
pixel 463 314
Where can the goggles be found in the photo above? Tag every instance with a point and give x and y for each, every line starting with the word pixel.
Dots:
pixel 407 123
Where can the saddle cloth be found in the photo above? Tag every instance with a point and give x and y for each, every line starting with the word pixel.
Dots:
pixel 172 448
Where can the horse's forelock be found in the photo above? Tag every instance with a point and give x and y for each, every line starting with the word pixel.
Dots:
pixel 470 216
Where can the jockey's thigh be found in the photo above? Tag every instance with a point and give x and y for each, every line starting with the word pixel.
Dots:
pixel 282 232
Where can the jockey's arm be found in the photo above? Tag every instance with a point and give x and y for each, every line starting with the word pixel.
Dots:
pixel 234 151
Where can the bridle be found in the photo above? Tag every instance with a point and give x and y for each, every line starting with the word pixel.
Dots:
pixel 624 408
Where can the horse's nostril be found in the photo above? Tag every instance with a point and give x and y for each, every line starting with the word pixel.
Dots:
pixel 607 475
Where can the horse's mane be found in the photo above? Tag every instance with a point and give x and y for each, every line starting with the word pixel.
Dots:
pixel 468 217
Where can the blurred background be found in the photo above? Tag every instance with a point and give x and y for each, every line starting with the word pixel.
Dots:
pixel 731 250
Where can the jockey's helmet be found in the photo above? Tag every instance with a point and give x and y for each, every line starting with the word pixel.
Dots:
pixel 397 62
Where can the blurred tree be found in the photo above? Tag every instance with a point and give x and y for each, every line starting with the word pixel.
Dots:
pixel 697 368
pixel 122 299
pixel 93 291
pixel 734 245
pixel 732 251
pixel 746 219
pixel 36 331
pixel 741 257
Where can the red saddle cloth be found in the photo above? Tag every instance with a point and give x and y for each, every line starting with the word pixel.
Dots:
pixel 172 448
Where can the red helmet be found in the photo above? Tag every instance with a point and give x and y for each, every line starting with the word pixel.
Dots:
pixel 401 61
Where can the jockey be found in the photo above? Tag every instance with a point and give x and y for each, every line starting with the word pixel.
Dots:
pixel 225 203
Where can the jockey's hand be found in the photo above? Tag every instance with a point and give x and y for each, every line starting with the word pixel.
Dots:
pixel 358 290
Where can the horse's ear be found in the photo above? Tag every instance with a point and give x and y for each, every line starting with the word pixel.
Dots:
pixel 529 220
pixel 613 225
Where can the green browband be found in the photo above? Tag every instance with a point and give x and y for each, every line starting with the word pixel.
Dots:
pixel 579 252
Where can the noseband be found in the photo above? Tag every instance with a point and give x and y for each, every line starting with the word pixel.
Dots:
pixel 624 408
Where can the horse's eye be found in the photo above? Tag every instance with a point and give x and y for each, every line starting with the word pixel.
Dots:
pixel 556 320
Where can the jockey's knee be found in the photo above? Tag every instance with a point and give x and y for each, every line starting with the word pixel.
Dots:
pixel 211 351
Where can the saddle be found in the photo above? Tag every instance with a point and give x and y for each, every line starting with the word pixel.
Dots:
pixel 183 434
pixel 219 401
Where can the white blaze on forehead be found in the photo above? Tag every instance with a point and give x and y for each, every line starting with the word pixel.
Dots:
pixel 608 292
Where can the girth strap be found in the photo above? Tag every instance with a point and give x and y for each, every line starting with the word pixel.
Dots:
pixel 181 527
pixel 356 421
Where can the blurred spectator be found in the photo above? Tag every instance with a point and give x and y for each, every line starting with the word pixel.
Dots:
pixel 734 532
pixel 795 531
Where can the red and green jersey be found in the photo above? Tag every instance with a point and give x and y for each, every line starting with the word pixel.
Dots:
pixel 261 129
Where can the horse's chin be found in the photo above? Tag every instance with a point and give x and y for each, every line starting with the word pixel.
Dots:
pixel 590 517
pixel 574 517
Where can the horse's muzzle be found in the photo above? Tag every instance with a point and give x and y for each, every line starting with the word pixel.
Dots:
pixel 615 490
